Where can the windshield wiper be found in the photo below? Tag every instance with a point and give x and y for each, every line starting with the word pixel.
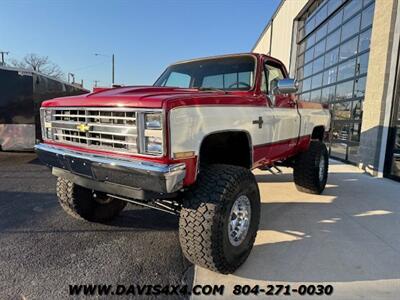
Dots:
pixel 211 89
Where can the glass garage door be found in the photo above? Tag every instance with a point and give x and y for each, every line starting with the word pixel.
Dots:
pixel 333 43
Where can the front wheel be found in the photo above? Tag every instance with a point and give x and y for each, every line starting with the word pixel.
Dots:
pixel 82 203
pixel 219 218
pixel 311 169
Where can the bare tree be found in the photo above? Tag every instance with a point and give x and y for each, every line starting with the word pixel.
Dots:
pixel 40 64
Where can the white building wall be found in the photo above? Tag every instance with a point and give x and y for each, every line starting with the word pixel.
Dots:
pixel 263 43
pixel 281 25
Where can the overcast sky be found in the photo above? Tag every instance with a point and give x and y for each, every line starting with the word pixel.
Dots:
pixel 145 36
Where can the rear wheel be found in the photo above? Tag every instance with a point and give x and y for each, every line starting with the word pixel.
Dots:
pixel 219 218
pixel 311 169
pixel 82 203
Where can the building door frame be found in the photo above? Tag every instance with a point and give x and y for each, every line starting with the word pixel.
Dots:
pixel 394 124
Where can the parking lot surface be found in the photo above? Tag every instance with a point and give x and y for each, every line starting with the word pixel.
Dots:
pixel 43 250
pixel 348 237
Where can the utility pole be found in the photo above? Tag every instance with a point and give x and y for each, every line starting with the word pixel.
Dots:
pixel 113 69
pixel 96 82
pixel 2 57
pixel 112 66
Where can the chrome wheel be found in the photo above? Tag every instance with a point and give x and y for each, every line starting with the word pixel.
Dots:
pixel 239 220
pixel 321 172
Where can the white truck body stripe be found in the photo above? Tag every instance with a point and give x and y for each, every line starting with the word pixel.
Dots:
pixel 190 124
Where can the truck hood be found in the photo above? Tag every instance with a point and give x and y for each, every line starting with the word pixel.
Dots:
pixel 141 96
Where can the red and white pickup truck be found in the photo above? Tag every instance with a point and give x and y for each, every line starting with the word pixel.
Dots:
pixel 187 145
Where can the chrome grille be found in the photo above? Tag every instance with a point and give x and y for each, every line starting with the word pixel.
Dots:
pixel 104 129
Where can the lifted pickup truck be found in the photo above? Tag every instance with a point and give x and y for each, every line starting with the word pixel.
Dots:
pixel 187 145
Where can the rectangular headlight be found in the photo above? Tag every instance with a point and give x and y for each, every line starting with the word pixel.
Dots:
pixel 46 125
pixel 47 115
pixel 153 145
pixel 152 121
pixel 153 134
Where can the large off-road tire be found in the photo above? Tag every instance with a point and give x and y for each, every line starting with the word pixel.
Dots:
pixel 311 169
pixel 81 203
pixel 222 195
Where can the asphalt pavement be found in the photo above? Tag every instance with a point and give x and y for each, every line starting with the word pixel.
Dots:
pixel 43 250
pixel 348 237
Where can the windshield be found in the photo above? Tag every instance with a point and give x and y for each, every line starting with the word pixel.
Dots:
pixel 225 73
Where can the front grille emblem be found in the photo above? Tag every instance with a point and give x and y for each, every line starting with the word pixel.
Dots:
pixel 83 127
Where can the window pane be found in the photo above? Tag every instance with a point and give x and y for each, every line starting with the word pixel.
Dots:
pixel 178 80
pixel 308 56
pixel 330 76
pixel 321 15
pixel 308 70
pixel 348 49
pixel 342 110
pixel 230 80
pixel 359 87
pixel 307 84
pixel 310 41
pixel 299 86
pixel 331 57
pixel 398 114
pixel 339 148
pixel 315 96
pixel 206 72
pixel 366 2
pixel 346 69
pixel 362 64
pixel 353 154
pixel 328 94
pixel 333 39
pixel 245 77
pixel 351 8
pixel 344 90
pixel 355 131
pixel 321 33
pixel 397 142
pixel 367 16
pixel 274 75
pixel 309 25
pixel 318 65
pixel 304 97
pixel 333 4
pixel 357 110
pixel 317 80
pixel 335 21
pixel 351 27
pixel 263 86
pixel 341 131
pixel 215 81
pixel 319 48
pixel 365 40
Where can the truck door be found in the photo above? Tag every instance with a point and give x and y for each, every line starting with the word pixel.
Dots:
pixel 286 117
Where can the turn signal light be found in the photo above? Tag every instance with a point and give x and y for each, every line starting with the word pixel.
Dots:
pixel 180 155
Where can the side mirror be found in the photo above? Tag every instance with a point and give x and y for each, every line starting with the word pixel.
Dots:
pixel 286 86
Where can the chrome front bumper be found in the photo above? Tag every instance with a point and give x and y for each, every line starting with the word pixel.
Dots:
pixel 110 174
